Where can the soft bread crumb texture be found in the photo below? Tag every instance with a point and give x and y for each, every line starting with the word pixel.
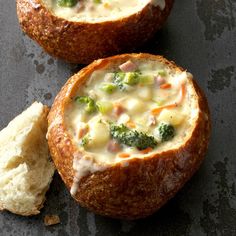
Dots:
pixel 25 168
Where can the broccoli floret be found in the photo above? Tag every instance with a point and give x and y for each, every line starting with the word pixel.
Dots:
pixel 118 131
pixel 118 79
pixel 108 87
pixel 122 79
pixel 166 131
pixel 66 3
pixel 131 78
pixel 90 104
pixel 131 138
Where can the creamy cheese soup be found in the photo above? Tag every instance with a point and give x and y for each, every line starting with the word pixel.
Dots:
pixel 98 10
pixel 133 109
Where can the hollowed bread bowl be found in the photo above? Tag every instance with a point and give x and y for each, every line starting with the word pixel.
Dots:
pixel 83 39
pixel 127 132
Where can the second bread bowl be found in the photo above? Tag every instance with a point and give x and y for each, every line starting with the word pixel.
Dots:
pixel 82 31
pixel 127 132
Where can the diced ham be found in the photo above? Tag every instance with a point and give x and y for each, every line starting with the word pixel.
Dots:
pixel 113 146
pixel 83 131
pixel 152 120
pixel 118 109
pixel 128 66
pixel 159 80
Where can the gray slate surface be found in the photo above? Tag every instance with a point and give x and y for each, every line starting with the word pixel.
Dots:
pixel 200 35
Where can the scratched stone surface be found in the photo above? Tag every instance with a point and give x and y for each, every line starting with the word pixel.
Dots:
pixel 200 35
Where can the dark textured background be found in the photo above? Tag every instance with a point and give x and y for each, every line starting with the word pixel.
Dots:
pixel 200 35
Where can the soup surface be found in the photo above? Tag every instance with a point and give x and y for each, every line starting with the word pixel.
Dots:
pixel 132 109
pixel 98 10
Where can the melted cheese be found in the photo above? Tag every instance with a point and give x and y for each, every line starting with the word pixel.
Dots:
pixel 137 101
pixel 83 166
pixel 89 11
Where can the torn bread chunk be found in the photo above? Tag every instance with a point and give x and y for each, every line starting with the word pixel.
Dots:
pixel 25 168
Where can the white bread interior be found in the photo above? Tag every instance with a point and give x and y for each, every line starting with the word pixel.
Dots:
pixel 25 168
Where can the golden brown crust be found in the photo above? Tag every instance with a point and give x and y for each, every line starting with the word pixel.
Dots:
pixel 81 42
pixel 142 187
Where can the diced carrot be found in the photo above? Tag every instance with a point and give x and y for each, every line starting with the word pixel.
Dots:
pixel 182 93
pixel 157 110
pixel 124 155
pixel 147 150
pixel 131 124
pixel 165 86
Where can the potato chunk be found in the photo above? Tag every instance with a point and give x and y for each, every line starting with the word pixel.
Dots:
pixel 145 93
pixel 99 134
pixel 135 106
pixel 171 116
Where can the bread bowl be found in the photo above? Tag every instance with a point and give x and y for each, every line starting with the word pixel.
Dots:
pixel 85 36
pixel 127 132
pixel 26 170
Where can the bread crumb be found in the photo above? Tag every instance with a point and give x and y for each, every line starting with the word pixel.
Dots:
pixel 51 220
